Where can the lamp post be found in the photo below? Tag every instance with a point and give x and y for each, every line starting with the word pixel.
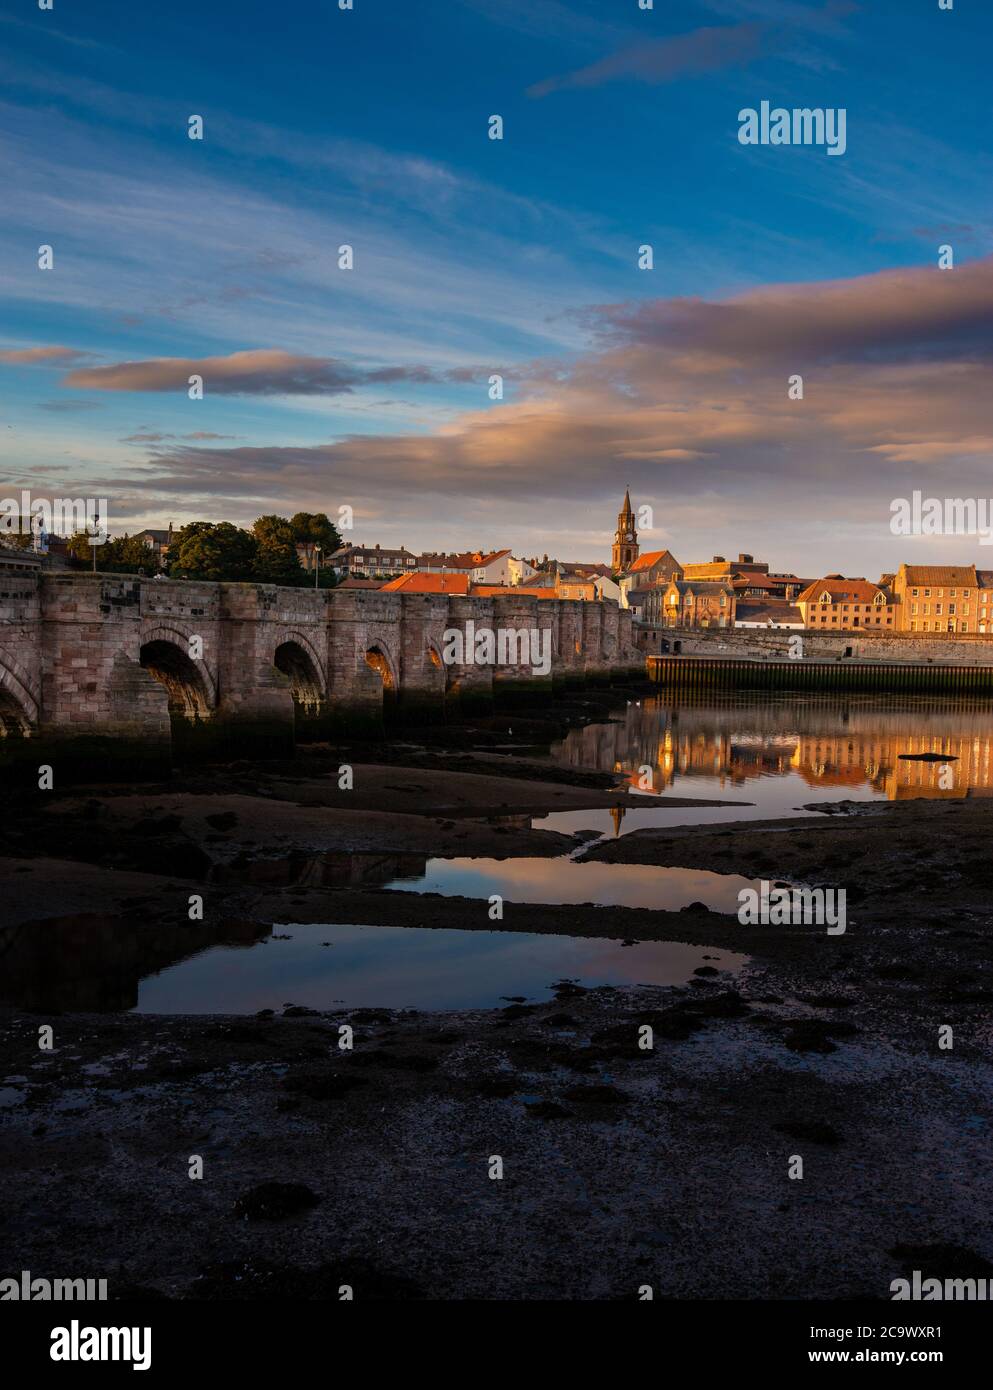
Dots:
pixel 317 565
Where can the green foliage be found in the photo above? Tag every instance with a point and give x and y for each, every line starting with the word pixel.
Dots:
pixel 213 550
pixel 267 554
pixel 314 528
pixel 123 555
pixel 276 559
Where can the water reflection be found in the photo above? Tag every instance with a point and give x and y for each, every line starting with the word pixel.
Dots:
pixel 326 967
pixel 565 881
pixel 809 747
pixel 88 963
pixel 329 869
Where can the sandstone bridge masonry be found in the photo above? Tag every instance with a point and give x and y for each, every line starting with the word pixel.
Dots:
pixel 122 675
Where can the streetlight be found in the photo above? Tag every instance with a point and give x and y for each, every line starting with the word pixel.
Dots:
pixel 317 564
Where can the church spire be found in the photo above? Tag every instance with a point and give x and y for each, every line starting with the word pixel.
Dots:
pixel 625 548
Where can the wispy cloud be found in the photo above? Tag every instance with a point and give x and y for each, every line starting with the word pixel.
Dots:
pixel 257 372
pixel 663 60
pixel 42 356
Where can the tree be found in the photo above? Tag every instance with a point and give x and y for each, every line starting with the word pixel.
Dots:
pixel 213 550
pixel 276 558
pixel 123 555
pixel 314 528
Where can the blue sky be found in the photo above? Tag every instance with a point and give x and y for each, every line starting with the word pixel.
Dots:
pixel 472 256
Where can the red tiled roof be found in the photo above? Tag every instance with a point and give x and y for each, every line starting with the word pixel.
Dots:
pixel 429 584
pixel 650 558
pixel 841 590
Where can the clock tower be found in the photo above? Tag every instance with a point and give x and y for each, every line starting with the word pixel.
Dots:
pixel 625 550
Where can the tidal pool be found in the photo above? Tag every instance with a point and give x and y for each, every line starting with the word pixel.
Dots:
pixel 327 967
pixel 565 881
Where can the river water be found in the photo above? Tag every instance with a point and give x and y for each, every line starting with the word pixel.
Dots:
pixel 770 755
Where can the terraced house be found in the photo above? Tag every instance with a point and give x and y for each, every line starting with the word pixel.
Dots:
pixel 836 603
pixel 952 599
pixel 686 603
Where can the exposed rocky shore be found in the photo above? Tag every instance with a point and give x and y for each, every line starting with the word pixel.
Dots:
pixel 371 1166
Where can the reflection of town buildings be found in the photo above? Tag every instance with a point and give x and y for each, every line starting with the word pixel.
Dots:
pixel 829 743
pixel 331 869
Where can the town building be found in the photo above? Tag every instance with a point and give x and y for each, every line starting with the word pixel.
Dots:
pixel 952 599
pixel 719 568
pixel 481 566
pixel 654 567
pixel 371 562
pixel 521 571
pixel 840 604
pixel 157 541
pixel 682 603
pixel 767 613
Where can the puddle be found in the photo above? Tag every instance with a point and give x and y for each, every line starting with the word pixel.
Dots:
pixel 563 881
pixel 412 967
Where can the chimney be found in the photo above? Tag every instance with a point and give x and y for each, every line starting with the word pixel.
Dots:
pixel 745 559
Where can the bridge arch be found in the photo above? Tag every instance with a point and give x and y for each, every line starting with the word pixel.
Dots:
pixel 379 659
pixel 296 659
pixel 191 693
pixel 294 655
pixel 18 707
pixel 19 710
pixel 201 678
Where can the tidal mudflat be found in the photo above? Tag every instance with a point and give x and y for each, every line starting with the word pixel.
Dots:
pixel 520 1036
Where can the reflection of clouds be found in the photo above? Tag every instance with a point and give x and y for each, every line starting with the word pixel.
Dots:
pixel 564 881
pixel 411 967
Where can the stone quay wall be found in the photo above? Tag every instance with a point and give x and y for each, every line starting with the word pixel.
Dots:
pixel 774 644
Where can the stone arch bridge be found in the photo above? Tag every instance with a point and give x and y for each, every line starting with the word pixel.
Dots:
pixel 106 669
